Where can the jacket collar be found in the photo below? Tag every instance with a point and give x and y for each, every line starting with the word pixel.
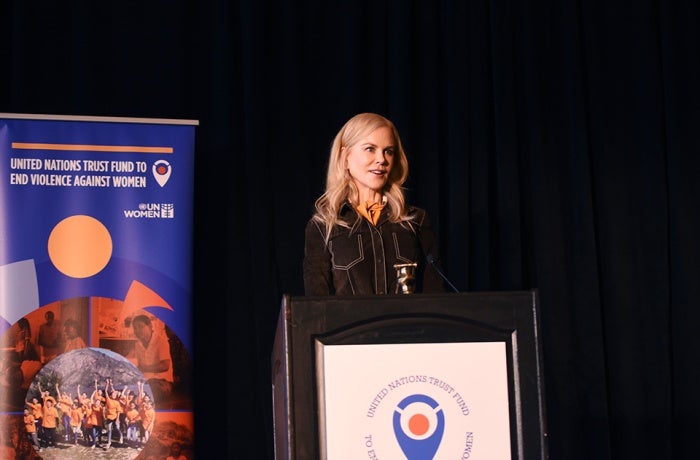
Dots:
pixel 349 214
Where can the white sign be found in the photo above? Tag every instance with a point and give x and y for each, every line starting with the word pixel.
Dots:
pixel 420 401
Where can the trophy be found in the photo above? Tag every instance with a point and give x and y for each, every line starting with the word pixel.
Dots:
pixel 405 278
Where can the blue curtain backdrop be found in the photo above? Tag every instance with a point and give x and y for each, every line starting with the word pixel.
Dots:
pixel 554 143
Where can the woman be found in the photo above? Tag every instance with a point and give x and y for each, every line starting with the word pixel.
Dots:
pixel 71 330
pixel 23 342
pixel 362 228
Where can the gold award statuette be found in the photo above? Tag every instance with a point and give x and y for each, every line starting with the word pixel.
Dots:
pixel 406 278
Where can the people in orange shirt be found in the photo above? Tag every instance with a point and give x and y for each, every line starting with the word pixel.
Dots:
pixel 94 419
pixel 125 399
pixel 112 409
pixel 148 419
pixel 37 412
pixel 76 420
pixel 133 426
pixel 98 394
pixel 85 403
pixel 65 401
pixel 47 434
pixel 30 428
pixel 49 421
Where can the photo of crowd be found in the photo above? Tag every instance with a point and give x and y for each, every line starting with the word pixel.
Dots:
pixel 74 384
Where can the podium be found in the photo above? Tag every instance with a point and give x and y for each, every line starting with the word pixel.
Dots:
pixel 419 376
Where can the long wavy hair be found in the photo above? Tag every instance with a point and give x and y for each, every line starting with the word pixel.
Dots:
pixel 340 188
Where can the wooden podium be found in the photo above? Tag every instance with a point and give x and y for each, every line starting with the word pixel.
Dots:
pixel 455 375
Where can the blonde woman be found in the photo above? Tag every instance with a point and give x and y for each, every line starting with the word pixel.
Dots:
pixel 362 228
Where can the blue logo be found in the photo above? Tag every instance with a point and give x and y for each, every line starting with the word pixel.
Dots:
pixel 419 424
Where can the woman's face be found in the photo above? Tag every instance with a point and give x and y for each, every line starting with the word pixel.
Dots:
pixel 369 162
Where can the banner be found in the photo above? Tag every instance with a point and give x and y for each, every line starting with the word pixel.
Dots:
pixel 96 286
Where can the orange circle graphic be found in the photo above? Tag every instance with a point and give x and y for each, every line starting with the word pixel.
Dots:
pixel 80 246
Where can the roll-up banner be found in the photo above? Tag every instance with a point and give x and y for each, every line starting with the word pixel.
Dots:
pixel 96 286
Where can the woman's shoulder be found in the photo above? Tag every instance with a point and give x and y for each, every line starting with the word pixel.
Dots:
pixel 416 214
pixel 315 225
pixel 346 216
pixel 415 210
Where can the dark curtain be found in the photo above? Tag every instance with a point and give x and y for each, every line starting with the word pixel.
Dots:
pixel 554 143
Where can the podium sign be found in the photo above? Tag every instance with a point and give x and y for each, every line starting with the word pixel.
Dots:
pixel 399 399
pixel 409 376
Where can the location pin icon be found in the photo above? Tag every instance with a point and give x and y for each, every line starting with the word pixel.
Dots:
pixel 418 426
pixel 161 171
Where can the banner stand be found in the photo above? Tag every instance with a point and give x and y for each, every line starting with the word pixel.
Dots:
pixel 95 278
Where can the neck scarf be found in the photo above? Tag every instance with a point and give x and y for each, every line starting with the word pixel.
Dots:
pixel 370 211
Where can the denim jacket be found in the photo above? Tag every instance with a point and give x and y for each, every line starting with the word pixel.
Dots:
pixel 359 260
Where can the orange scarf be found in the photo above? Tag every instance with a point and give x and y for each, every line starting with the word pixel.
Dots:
pixel 371 211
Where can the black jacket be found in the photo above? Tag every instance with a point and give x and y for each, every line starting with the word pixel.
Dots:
pixel 360 260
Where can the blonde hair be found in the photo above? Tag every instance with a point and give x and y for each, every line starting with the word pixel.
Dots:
pixel 339 184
